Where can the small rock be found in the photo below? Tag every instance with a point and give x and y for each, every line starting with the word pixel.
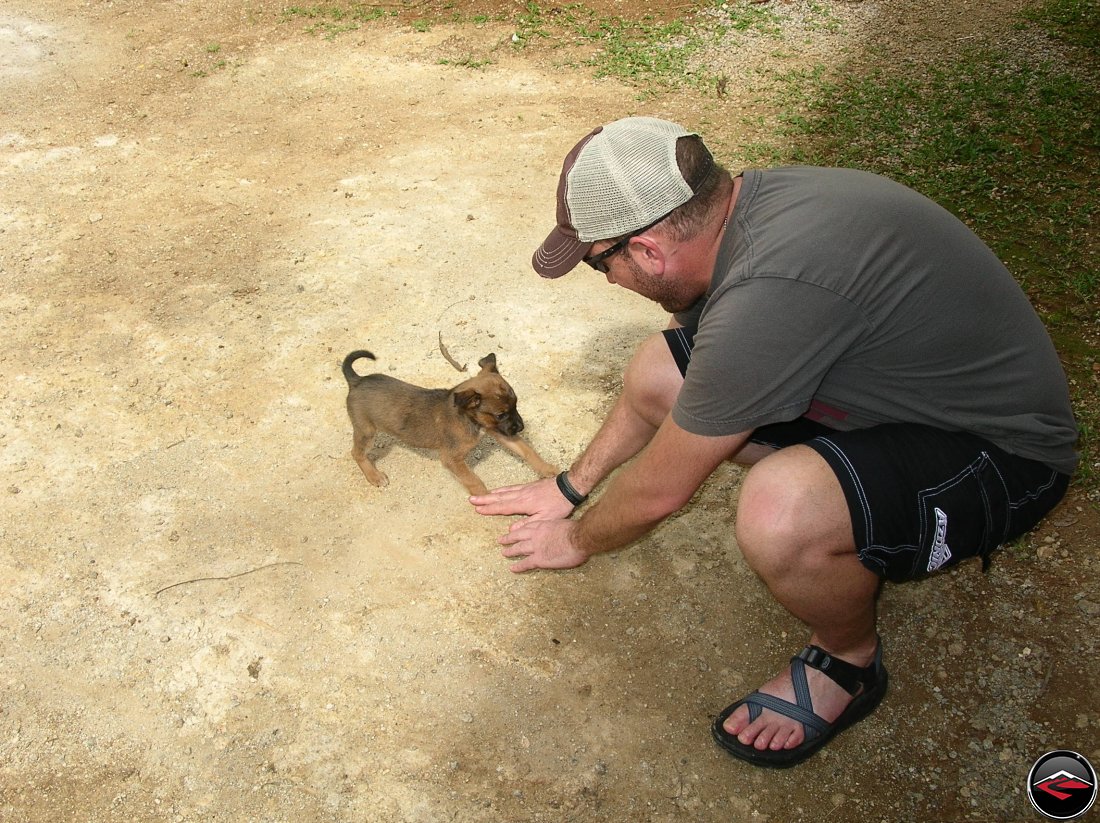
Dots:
pixel 1088 608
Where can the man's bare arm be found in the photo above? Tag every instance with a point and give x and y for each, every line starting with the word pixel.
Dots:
pixel 661 481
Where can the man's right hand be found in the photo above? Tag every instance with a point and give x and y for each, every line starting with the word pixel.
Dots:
pixel 542 545
pixel 541 500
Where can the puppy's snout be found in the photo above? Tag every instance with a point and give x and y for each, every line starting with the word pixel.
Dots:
pixel 513 424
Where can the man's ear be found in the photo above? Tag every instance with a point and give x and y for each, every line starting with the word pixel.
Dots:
pixel 649 254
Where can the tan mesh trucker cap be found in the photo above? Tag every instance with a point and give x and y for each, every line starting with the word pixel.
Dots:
pixel 620 178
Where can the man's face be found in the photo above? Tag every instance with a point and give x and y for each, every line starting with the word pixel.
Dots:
pixel 671 293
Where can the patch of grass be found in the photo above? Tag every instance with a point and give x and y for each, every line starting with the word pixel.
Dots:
pixel 532 23
pixel 332 20
pixel 822 19
pixel 745 17
pixel 1076 22
pixel 1009 147
pixel 644 51
pixel 467 63
pixel 650 54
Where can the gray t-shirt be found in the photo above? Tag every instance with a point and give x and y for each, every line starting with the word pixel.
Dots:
pixel 849 298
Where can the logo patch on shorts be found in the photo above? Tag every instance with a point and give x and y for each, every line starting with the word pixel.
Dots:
pixel 940 553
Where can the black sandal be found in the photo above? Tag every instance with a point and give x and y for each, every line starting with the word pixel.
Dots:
pixel 867 686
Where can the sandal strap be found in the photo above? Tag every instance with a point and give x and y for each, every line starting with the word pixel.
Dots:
pixel 812 724
pixel 848 676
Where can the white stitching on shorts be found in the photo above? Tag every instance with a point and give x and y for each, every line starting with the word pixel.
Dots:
pixel 988 505
pixel 868 524
pixel 684 343
pixel 1033 495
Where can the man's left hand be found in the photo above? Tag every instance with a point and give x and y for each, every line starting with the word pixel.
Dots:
pixel 540 500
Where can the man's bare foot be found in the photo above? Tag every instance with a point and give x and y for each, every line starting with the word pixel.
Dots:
pixel 775 731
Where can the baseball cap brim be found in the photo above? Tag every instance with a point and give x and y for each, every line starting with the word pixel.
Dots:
pixel 558 254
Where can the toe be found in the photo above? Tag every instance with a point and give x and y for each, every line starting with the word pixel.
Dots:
pixel 786 739
pixel 764 738
pixel 751 734
pixel 737 721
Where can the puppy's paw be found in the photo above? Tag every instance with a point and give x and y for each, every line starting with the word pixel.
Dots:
pixel 374 477
pixel 546 470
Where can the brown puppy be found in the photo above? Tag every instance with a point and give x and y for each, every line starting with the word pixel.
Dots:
pixel 449 420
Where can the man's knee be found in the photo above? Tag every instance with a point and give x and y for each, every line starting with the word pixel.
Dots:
pixel 652 380
pixel 791 510
pixel 765 526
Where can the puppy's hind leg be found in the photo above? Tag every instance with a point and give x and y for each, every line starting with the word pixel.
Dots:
pixel 362 439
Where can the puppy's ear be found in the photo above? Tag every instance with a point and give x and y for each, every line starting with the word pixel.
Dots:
pixel 488 363
pixel 467 399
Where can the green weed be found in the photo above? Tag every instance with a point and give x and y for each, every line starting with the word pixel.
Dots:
pixel 332 20
pixel 467 63
pixel 1076 22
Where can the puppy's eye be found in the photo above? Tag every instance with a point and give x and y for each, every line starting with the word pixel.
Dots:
pixel 502 416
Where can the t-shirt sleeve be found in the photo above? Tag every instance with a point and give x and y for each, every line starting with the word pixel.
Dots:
pixel 762 349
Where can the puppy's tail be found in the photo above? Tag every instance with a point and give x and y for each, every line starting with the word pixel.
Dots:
pixel 349 373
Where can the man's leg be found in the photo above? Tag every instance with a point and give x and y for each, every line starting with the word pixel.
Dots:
pixel 651 384
pixel 795 532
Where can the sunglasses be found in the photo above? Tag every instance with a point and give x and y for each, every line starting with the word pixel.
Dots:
pixel 597 261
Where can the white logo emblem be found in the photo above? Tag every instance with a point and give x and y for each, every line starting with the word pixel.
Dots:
pixel 940 553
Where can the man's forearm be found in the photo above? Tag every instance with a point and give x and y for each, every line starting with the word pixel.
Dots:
pixel 622 435
pixel 660 482
pixel 615 521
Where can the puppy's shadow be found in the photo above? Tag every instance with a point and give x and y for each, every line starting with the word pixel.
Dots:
pixel 383 444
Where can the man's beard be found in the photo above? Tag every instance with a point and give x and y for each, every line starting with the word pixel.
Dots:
pixel 672 296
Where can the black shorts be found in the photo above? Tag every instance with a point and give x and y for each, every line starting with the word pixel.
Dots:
pixel 921 499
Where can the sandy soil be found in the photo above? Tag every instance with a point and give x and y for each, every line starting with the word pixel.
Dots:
pixel 206 614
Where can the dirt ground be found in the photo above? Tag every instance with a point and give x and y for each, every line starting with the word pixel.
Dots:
pixel 206 614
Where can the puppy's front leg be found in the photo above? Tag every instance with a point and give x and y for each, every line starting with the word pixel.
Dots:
pixel 521 448
pixel 456 464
